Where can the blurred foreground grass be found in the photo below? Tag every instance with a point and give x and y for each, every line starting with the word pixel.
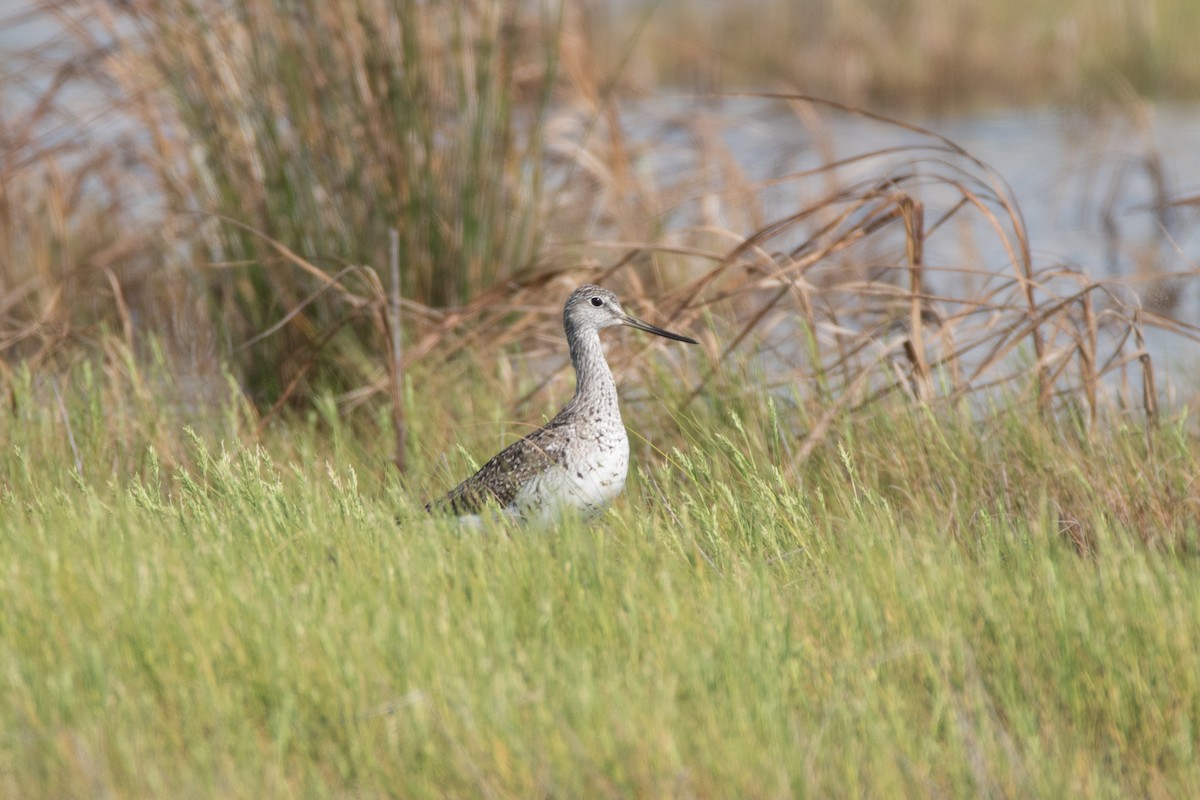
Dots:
pixel 922 606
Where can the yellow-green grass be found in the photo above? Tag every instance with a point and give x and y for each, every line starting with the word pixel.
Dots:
pixel 926 605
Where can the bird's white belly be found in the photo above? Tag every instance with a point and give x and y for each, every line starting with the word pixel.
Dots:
pixel 589 480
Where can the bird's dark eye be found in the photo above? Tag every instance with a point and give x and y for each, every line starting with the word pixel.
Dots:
pixel 597 302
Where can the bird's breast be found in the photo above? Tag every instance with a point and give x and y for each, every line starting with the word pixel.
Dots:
pixel 589 477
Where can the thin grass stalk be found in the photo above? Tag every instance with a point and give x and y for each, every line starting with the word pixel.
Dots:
pixel 1149 388
pixel 1087 357
pixel 396 359
pixel 66 421
pixel 912 211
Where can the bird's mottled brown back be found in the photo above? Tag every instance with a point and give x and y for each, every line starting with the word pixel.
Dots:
pixel 500 479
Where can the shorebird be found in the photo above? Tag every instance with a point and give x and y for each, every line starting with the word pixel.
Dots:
pixel 578 460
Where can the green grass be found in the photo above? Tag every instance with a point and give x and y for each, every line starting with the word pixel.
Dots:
pixel 908 612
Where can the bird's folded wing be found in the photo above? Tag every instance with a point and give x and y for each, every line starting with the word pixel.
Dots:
pixel 500 479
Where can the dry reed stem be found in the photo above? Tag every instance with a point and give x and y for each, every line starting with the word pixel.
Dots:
pixel 396 359
pixel 913 213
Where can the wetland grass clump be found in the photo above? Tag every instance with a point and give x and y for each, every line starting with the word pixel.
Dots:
pixel 263 155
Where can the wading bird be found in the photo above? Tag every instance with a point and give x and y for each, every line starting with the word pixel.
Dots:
pixel 578 460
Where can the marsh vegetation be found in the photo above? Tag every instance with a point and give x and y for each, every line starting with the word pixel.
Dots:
pixel 918 516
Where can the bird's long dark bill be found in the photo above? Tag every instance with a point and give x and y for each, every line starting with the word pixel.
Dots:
pixel 642 326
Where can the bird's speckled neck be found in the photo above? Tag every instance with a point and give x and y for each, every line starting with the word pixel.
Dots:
pixel 594 384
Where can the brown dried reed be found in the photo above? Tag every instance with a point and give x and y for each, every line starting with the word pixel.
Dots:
pixel 864 287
